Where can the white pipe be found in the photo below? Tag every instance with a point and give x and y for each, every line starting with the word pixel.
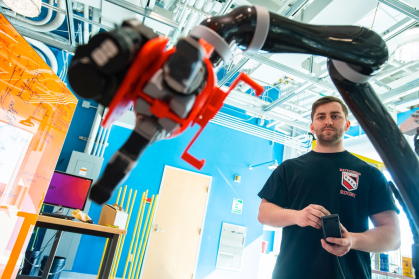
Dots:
pixel 94 130
pixel 98 140
pixel 226 120
pixel 283 7
pixel 40 22
pixel 183 18
pixel 86 33
pixel 208 6
pixel 151 4
pixel 102 139
pixel 95 18
pixel 106 142
pixel 53 25
pixel 47 51
pixel 190 23
pixel 41 55
pixel 199 4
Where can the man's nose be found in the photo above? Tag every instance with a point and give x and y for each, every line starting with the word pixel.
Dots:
pixel 329 120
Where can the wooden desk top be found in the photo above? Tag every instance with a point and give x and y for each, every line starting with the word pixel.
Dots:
pixel 80 225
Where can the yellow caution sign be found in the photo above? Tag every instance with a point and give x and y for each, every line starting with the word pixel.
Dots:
pixel 407 267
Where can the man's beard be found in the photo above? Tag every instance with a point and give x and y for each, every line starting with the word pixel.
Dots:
pixel 332 140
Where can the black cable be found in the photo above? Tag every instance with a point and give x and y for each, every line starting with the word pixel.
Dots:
pixel 46 245
pixel 340 268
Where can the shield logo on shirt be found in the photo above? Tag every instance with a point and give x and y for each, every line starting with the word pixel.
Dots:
pixel 350 180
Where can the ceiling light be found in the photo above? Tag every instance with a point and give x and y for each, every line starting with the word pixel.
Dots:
pixel 28 8
pixel 408 48
pixel 271 167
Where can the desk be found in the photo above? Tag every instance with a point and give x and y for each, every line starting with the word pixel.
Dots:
pixel 83 228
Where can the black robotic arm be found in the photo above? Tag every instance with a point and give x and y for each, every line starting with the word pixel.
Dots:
pixel 355 55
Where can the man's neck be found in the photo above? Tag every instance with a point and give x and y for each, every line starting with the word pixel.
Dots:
pixel 328 149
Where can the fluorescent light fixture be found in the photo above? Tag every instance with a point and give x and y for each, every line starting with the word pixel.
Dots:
pixel 408 49
pixel 271 167
pixel 28 8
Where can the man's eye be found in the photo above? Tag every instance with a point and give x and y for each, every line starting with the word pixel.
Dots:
pixel 320 117
pixel 335 116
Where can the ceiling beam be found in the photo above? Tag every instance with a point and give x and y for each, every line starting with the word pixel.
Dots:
pixel 45 39
pixel 147 13
pixel 402 7
pixel 70 23
pixel 314 80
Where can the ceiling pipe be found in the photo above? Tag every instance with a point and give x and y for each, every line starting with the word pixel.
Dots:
pixel 284 6
pixel 46 51
pixel 53 25
pixel 86 33
pixel 96 18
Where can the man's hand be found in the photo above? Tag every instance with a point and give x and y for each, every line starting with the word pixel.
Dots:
pixel 340 246
pixel 310 216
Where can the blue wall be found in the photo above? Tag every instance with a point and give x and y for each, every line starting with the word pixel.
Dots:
pixel 227 152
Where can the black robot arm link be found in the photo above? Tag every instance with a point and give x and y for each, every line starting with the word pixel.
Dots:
pixel 355 55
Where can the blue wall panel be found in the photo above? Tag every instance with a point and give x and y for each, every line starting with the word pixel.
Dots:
pixel 227 152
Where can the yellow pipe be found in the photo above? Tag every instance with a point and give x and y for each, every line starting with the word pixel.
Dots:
pixel 142 235
pixel 103 255
pixel 119 194
pixel 118 256
pixel 138 235
pixel 115 259
pixel 379 164
pixel 147 234
pixel 106 244
pixel 123 195
pixel 133 235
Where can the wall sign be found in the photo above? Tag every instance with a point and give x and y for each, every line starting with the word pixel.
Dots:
pixel 237 206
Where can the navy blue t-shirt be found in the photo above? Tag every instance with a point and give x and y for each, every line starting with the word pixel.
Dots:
pixel 344 185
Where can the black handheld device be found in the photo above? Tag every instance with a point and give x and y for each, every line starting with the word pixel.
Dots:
pixel 331 226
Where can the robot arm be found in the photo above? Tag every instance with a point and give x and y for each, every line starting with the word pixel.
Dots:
pixel 171 89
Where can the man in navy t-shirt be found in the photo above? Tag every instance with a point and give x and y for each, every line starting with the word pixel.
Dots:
pixel 329 180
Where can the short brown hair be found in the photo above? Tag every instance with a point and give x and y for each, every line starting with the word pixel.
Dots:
pixel 326 100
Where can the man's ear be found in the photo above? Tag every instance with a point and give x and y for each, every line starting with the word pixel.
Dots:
pixel 312 128
pixel 347 125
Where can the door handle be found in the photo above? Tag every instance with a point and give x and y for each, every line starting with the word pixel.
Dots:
pixel 157 229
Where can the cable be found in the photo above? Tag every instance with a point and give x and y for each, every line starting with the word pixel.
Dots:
pixel 43 249
pixel 340 268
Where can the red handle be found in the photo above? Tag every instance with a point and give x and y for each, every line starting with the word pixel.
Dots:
pixel 245 78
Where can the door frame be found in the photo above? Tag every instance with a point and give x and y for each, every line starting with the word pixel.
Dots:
pixel 166 167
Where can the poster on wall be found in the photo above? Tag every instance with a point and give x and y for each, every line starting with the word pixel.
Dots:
pixel 36 109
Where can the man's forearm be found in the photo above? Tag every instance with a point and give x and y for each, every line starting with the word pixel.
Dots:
pixel 376 240
pixel 275 216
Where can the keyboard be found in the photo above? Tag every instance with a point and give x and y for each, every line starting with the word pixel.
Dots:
pixel 57 215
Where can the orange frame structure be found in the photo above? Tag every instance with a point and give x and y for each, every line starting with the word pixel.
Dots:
pixel 36 109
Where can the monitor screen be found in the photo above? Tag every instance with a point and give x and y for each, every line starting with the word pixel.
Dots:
pixel 68 190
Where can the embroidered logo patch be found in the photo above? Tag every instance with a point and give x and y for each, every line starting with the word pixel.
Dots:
pixel 350 179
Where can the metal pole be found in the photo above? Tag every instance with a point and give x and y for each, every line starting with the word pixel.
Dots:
pixel 142 237
pixel 106 142
pixel 70 23
pixel 118 253
pixel 147 234
pixel 143 200
pixel 135 254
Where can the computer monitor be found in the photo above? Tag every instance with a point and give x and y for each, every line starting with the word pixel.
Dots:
pixel 68 190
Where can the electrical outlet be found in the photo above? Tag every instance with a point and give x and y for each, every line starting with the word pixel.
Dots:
pixel 85 104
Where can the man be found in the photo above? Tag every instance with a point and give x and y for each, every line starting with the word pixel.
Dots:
pixel 329 180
